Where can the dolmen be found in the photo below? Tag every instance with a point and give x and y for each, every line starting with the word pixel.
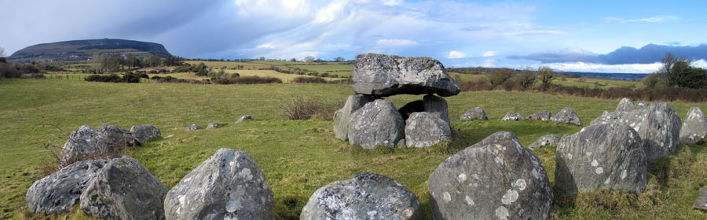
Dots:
pixel 368 120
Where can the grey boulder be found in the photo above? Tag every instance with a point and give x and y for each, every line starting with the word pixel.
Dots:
pixel 496 178
pixel 116 137
pixel 547 140
pixel 701 201
pixel 477 113
pixel 228 185
pixel 84 144
pixel 694 128
pixel 386 75
pixel 244 118
pixel 424 129
pixel 342 117
pixel 124 189
pixel 59 191
pixel 215 125
pixel 567 116
pixel 193 127
pixel 377 123
pixel 436 105
pixel 366 196
pixel 657 125
pixel 601 156
pixel 543 115
pixel 512 116
pixel 145 132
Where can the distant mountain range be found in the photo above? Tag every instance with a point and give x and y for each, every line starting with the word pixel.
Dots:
pixel 78 51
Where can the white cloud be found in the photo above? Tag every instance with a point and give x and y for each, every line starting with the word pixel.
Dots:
pixel 603 68
pixel 391 2
pixel 456 55
pixel 654 19
pixel 489 53
pixel 266 45
pixel 396 42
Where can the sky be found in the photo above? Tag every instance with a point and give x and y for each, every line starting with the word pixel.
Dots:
pixel 582 36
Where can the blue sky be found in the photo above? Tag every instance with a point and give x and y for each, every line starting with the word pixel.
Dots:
pixel 565 35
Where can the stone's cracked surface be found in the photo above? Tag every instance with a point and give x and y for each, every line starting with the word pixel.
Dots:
pixel 616 153
pixel 366 196
pixel 229 184
pixel 507 177
pixel 386 75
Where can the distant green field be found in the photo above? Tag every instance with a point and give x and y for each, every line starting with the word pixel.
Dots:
pixel 298 157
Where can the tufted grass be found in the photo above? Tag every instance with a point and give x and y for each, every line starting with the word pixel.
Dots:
pixel 300 156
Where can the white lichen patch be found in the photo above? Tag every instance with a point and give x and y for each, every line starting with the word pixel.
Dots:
pixel 569 156
pixel 536 174
pixel 607 181
pixel 624 173
pixel 461 177
pixel 595 163
pixel 245 174
pixel 519 184
pixel 502 213
pixel 599 170
pixel 498 160
pixel 469 201
pixel 446 197
pixel 510 197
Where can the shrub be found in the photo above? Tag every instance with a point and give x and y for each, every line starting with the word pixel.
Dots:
pixel 499 78
pixel 103 78
pixel 303 108
pixel 302 79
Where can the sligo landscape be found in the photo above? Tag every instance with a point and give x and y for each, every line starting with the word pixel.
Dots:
pixel 272 110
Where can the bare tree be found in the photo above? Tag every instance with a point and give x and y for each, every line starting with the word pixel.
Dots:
pixel 309 59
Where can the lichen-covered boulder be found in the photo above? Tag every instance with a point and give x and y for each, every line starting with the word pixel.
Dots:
pixel 377 123
pixel 496 178
pixel 228 185
pixel 657 125
pixel 366 196
pixel 342 117
pixel 424 129
pixel 145 132
pixel 477 113
pixel 244 118
pixel 547 140
pixel 512 116
pixel 116 137
pixel 436 105
pixel 601 156
pixel 386 75
pixel 213 125
pixel 85 144
pixel 567 116
pixel 124 189
pixel 193 127
pixel 694 129
pixel 59 191
pixel 543 115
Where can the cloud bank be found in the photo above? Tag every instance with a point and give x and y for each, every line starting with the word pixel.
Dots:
pixel 648 54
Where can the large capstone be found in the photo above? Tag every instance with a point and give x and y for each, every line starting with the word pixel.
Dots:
pixel 567 116
pixel 477 113
pixel 424 129
pixel 342 117
pixel 657 125
pixel 366 196
pixel 543 115
pixel 377 123
pixel 496 178
pixel 228 185
pixel 547 140
pixel 145 132
pixel 694 129
pixel 512 116
pixel 386 75
pixel 601 156
pixel 59 191
pixel 84 144
pixel 124 189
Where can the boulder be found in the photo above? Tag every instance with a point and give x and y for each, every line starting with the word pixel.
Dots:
pixel 512 116
pixel 366 196
pixel 436 105
pixel 701 201
pixel 411 107
pixel 228 185
pixel 124 189
pixel 59 191
pixel 244 118
pixel 657 125
pixel 116 137
pixel 625 104
pixel 342 117
pixel 377 123
pixel 215 125
pixel 543 115
pixel 386 75
pixel 193 127
pixel 567 116
pixel 547 140
pixel 496 178
pixel 477 113
pixel 694 128
pixel 84 144
pixel 601 156
pixel 145 132
pixel 424 129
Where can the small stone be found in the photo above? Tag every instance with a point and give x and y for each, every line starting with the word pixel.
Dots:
pixel 567 116
pixel 547 140
pixel 193 127
pixel 512 116
pixel 701 202
pixel 145 132
pixel 543 115
pixel 244 118
pixel 215 125
pixel 477 113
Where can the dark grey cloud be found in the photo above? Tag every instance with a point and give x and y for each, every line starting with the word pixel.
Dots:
pixel 648 54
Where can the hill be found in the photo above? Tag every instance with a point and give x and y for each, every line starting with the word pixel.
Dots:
pixel 78 51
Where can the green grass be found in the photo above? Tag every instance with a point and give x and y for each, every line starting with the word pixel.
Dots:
pixel 298 157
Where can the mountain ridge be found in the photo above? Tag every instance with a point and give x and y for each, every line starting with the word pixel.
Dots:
pixel 76 51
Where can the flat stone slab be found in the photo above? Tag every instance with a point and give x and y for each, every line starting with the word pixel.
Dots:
pixel 701 202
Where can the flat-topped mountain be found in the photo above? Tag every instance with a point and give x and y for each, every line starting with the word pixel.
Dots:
pixel 85 50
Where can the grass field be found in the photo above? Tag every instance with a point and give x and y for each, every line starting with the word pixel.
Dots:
pixel 298 157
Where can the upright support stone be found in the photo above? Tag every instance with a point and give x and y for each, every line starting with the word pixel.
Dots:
pixel 377 123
